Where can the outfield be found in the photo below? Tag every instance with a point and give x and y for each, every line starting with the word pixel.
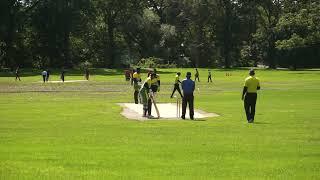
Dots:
pixel 75 130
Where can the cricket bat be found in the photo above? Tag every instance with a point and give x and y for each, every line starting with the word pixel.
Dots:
pixel 155 105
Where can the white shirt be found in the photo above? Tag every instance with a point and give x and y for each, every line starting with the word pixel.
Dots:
pixel 44 73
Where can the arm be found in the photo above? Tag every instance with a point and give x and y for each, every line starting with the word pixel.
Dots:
pixel 245 89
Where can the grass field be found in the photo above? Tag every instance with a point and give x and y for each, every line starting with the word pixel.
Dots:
pixel 75 130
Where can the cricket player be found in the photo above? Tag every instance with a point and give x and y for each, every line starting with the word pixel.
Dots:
pixel 136 80
pixel 196 76
pixel 249 95
pixel 209 75
pixel 18 74
pixel 145 93
pixel 155 84
pixel 188 87
pixel 177 83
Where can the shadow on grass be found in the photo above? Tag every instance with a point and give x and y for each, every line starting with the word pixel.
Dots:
pixel 261 122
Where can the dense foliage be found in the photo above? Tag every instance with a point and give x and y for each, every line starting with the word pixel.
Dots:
pixel 193 33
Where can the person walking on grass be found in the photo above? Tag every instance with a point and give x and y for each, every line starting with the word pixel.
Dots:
pixel 62 75
pixel 44 76
pixel 145 94
pixel 188 87
pixel 249 95
pixel 176 86
pixel 209 75
pixel 196 76
pixel 86 74
pixel 17 74
pixel 136 78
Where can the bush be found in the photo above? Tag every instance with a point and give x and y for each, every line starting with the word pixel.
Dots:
pixel 153 62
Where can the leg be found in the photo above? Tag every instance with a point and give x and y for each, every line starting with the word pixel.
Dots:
pixel 184 107
pixel 178 89
pixel 247 107
pixel 44 78
pixel 149 106
pixel 253 106
pixel 136 96
pixel 174 90
pixel 191 108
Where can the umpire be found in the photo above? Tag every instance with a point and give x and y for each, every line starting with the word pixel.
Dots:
pixel 249 95
pixel 188 87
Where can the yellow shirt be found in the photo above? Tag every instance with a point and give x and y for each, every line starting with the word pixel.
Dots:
pixel 148 81
pixel 252 83
pixel 155 80
pixel 176 81
pixel 136 76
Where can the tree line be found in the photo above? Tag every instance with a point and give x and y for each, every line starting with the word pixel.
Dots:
pixel 185 33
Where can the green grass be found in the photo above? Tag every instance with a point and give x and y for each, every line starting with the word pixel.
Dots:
pixel 75 130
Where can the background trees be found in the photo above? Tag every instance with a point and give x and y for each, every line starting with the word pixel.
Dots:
pixel 201 33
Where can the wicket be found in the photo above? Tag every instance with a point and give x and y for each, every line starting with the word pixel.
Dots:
pixel 178 107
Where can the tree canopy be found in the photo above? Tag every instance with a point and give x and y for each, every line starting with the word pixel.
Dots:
pixel 186 33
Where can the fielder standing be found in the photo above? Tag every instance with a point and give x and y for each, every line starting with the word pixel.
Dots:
pixel 136 80
pixel 249 95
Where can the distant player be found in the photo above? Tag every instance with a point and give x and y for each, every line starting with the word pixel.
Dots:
pixel 209 75
pixel 176 86
pixel 145 93
pixel 136 80
pixel 196 75
pixel 249 95
pixel 86 74
pixel 17 74
pixel 44 76
pixel 62 75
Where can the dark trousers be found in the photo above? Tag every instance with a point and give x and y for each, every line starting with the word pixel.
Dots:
pixel 197 77
pixel 149 106
pixel 62 78
pixel 176 87
pixel 250 105
pixel 135 95
pixel 44 78
pixel 187 99
pixel 18 77
pixel 209 78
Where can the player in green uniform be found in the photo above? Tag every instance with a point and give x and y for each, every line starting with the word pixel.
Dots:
pixel 136 80
pixel 145 93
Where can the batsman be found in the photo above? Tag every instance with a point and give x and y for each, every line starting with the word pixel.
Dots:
pixel 146 94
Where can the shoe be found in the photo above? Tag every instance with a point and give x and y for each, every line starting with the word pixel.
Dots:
pixel 150 117
pixel 171 97
pixel 250 121
pixel 183 117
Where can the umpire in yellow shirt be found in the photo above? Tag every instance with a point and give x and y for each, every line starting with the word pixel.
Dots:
pixel 249 95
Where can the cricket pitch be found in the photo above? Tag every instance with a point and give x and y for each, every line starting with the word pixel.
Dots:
pixel 168 111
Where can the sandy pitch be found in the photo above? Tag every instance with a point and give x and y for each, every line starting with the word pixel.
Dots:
pixel 168 111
